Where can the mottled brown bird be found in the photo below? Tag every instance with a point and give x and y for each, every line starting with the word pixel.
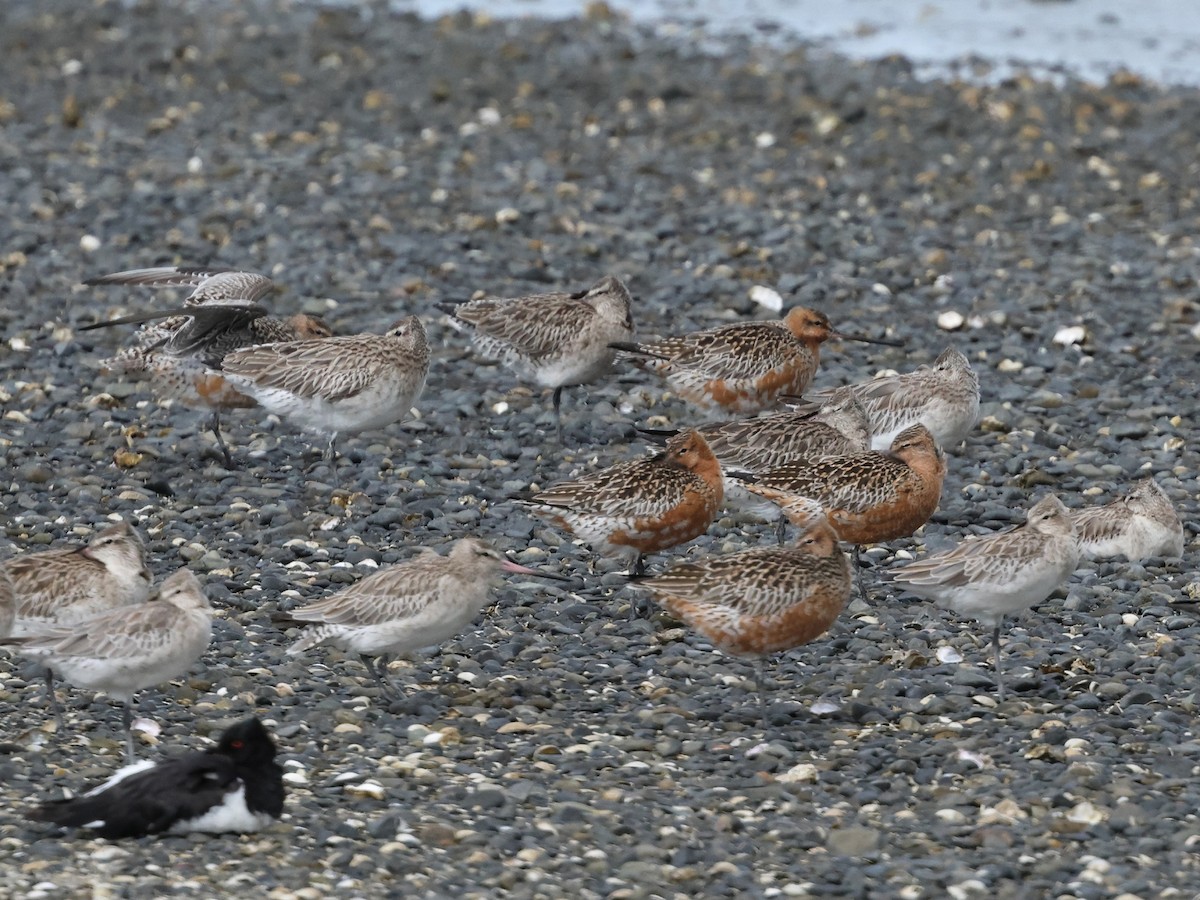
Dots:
pixel 640 507
pixel 766 600
pixel 179 349
pixel 557 339
pixel 743 367
pixel 1140 523
pixel 869 497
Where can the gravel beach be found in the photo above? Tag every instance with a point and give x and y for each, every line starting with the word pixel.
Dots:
pixel 376 165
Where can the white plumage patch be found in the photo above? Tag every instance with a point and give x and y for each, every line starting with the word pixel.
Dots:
pixel 231 814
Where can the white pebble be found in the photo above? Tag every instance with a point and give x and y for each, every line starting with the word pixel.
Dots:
pixel 950 320
pixel 881 290
pixel 763 140
pixel 1070 334
pixel 72 67
pixel 766 297
pixel 195 165
pixel 372 789
pixel 89 243
pixel 500 408
pixel 1010 365
pixel 507 215
pixel 489 115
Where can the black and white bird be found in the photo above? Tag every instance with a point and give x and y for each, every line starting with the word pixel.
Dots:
pixel 234 786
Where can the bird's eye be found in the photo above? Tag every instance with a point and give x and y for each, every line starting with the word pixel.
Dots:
pixel 237 745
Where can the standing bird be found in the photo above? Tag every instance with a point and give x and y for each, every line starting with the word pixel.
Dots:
pixel 123 651
pixel 234 786
pixel 559 340
pixel 417 603
pixel 339 385
pixel 1140 523
pixel 179 348
pixel 991 576
pixel 869 497
pixel 64 587
pixel 761 601
pixel 943 397
pixel 640 507
pixel 743 367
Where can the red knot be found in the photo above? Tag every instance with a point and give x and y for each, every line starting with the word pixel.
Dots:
pixel 742 367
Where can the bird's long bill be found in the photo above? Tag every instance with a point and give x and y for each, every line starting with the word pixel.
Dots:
pixel 657 435
pixel 863 339
pixel 509 566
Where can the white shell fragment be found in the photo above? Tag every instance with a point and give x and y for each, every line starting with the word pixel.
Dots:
pixel 766 297
pixel 1069 335
pixel 948 655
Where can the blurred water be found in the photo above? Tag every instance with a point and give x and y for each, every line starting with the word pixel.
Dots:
pixel 1159 39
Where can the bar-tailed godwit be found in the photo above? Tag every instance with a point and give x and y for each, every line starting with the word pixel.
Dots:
pixel 869 497
pixel 765 600
pixel 63 587
pixel 995 575
pixel 1139 524
pixel 742 367
pixel 556 339
pixel 178 348
pixel 944 397
pixel 123 651
pixel 235 786
pixel 339 385
pixel 417 603
pixel 640 507
pixel 8 605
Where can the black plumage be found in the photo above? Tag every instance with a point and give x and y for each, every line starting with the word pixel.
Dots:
pixel 234 786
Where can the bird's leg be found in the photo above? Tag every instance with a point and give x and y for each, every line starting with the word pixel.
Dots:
pixel 996 652
pixel 52 700
pixel 557 401
pixel 858 577
pixel 216 430
pixel 759 677
pixel 639 569
pixel 127 721
pixel 378 670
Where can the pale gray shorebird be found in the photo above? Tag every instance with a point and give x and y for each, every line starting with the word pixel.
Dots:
pixel 992 576
pixel 178 348
pixel 761 601
pixel 556 339
pixel 745 366
pixel 944 397
pixel 418 603
pixel 1139 524
pixel 123 651
pixel 338 385
pixel 67 586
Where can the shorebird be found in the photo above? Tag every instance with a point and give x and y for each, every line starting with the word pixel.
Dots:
pixel 234 786
pixel 762 601
pixel 417 603
pixel 764 442
pixel 944 397
pixel 742 367
pixel 122 651
pixel 640 507
pixel 179 348
pixel 869 497
pixel 558 340
pixel 68 586
pixel 1140 523
pixel 339 385
pixel 992 576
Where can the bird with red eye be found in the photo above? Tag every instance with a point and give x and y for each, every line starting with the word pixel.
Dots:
pixel 234 786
